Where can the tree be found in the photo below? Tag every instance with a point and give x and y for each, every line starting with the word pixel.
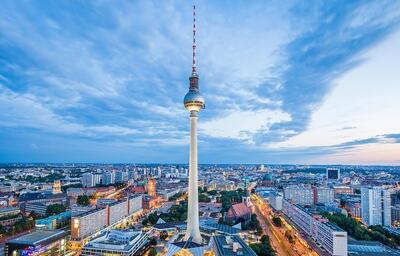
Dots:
pixel 83 200
pixel 163 235
pixel 277 221
pixel 359 232
pixel 203 198
pixel 264 248
pixel 289 236
pixel 145 222
pixel 153 241
pixel 152 252
pixel 55 209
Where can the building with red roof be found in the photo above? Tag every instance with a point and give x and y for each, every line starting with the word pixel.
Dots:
pixel 238 212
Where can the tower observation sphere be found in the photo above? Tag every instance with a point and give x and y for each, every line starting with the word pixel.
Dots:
pixel 193 100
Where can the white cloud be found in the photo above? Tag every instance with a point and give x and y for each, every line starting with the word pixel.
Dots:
pixel 243 124
pixel 365 99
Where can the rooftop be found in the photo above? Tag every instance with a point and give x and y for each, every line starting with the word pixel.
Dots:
pixel 232 246
pixel 370 248
pixel 38 237
pixel 117 240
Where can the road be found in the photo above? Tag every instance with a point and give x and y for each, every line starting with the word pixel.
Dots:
pixel 277 234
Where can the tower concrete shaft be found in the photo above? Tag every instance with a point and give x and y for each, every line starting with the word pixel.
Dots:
pixel 193 230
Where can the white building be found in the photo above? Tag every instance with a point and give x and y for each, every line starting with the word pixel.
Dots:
pixel 108 178
pixel 121 176
pixel 299 194
pixel 117 242
pixel 87 180
pixel 88 223
pixel 324 195
pixel 275 200
pixel 332 238
pixel 376 206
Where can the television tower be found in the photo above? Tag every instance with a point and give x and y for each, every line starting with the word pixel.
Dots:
pixel 193 102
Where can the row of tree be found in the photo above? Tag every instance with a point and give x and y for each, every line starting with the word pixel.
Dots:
pixel 227 198
pixel 19 226
pixel 176 213
pixel 263 248
pixel 360 232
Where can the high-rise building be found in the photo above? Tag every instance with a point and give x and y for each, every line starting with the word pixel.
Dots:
pixel 333 173
pixel 275 199
pixel 323 195
pixel 151 187
pixel 108 178
pixel 193 102
pixel 97 179
pixel 159 172
pixel 299 194
pixel 375 206
pixel 87 180
pixel 121 176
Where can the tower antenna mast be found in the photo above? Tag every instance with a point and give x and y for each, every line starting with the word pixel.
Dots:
pixel 194 40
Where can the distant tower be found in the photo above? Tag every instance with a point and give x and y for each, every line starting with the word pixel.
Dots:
pixel 246 198
pixel 333 174
pixel 193 102
pixel 151 188
pixel 56 187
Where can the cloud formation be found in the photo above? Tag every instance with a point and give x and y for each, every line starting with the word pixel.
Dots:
pixel 97 76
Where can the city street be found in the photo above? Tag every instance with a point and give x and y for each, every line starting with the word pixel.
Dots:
pixel 277 235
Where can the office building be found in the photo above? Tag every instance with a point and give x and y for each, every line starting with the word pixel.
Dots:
pixel 8 212
pixel 135 204
pixel 323 195
pixel 88 180
pixel 299 194
pixel 332 238
pixel 37 208
pixel 375 206
pixel 117 242
pixel 121 176
pixel 395 216
pixel 275 200
pixel 111 212
pixel 43 242
pixel 117 211
pixel 354 208
pixel 88 223
pixel 333 173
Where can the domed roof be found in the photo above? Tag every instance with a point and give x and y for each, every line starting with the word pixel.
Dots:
pixel 193 96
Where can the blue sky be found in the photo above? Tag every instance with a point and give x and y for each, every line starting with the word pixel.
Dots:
pixel 312 82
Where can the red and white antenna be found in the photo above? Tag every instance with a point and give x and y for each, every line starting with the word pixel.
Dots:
pixel 194 40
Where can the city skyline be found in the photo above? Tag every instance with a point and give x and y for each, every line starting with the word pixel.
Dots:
pixel 285 83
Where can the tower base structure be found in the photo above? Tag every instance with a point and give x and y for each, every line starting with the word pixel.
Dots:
pixel 182 247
